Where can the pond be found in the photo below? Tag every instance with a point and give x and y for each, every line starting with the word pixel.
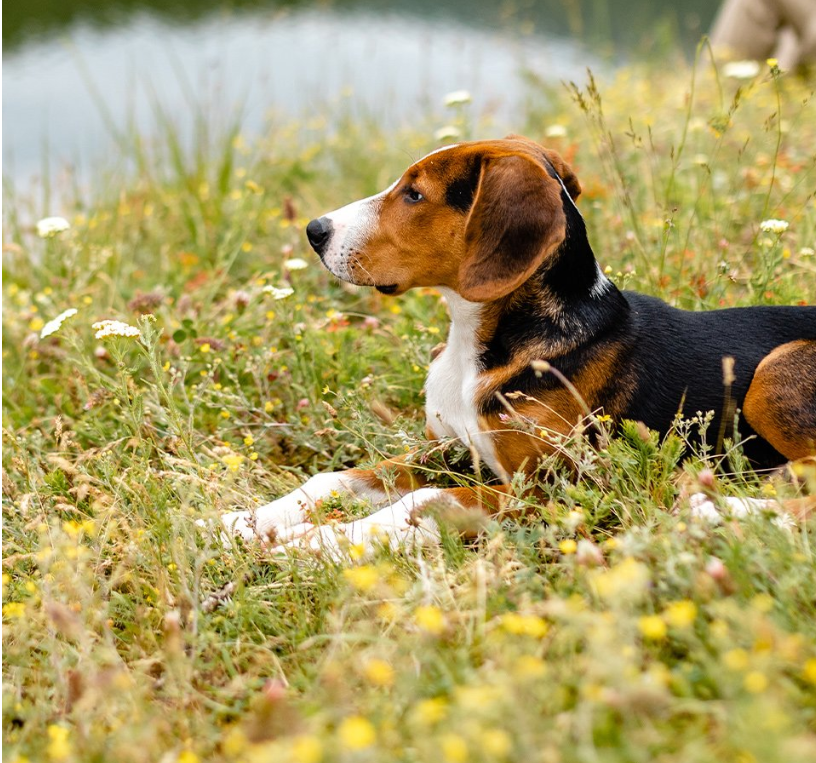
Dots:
pixel 77 71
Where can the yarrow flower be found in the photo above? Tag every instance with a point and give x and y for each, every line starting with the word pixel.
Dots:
pixel 448 132
pixel 277 293
pixel 741 69
pixel 105 329
pixel 54 325
pixel 49 227
pixel 556 131
pixel 295 264
pixel 773 226
pixel 458 98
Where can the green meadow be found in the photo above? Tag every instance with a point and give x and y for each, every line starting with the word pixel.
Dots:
pixel 606 625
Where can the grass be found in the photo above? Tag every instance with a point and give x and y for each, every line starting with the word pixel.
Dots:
pixel 607 626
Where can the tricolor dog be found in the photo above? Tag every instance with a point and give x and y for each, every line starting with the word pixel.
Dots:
pixel 493 225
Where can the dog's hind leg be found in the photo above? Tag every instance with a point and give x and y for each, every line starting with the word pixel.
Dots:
pixel 781 402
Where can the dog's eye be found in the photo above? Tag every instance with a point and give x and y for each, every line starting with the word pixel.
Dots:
pixel 412 195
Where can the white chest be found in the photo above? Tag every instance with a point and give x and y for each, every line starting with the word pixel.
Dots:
pixel 451 386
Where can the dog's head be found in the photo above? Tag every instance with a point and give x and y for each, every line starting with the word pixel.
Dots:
pixel 479 218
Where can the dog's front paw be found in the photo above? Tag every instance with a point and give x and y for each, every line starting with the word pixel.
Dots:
pixel 244 524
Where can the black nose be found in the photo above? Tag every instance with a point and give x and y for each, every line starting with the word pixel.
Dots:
pixel 319 232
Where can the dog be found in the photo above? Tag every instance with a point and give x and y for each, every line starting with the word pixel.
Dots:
pixel 494 227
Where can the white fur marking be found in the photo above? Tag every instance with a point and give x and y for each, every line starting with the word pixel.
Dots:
pixel 393 526
pixel 453 379
pixel 290 510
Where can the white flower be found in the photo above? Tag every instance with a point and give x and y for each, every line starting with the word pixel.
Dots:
pixel 114 328
pixel 458 98
pixel 277 293
pixel 556 131
pixel 54 325
pixel 295 264
pixel 49 227
pixel 448 132
pixel 741 69
pixel 806 251
pixel 773 226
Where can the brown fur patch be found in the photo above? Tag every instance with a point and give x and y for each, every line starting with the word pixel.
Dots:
pixel 781 401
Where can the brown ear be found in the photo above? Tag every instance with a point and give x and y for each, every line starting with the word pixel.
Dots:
pixel 515 221
pixel 563 169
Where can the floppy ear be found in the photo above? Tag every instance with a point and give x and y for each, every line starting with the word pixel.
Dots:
pixel 563 169
pixel 516 220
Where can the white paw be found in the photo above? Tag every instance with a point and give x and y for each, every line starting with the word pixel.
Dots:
pixel 702 507
pixel 400 525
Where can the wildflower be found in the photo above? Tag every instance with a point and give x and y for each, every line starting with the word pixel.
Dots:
pixel 458 98
pixel 430 711
pixel 37 323
pixel 233 461
pixel 379 672
pixel 588 554
pixel 809 670
pixel 356 733
pixel 448 132
pixel 249 440
pixel 49 227
pixel 107 328
pixel 268 406
pixel 773 226
pixel 681 614
pixel 187 756
pixel 652 627
pixel 741 69
pixel 806 251
pixel 205 348
pixel 524 625
pixel 277 293
pixel 496 743
pixel 54 325
pixel 59 748
pixel 528 666
pixel 454 748
pixel 296 263
pixel 14 610
pixel 755 682
pixel 430 619
pixel 736 659
pixel 307 749
pixel 556 131
pixel 568 546
pixel 363 578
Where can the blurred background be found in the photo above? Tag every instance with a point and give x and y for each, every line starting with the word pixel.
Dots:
pixel 79 74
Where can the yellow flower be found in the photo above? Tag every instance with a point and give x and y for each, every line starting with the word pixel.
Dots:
pixel 524 625
pixel 356 733
pixel 187 756
pixel 755 682
pixel 205 348
pixel 529 666
pixel 14 610
pixel 652 627
pixel 379 672
pixel 249 440
pixel 36 323
pixel 496 743
pixel 809 670
pixel 233 461
pixel 568 546
pixel 268 406
pixel 454 748
pixel 430 711
pixel 736 659
pixel 681 614
pixel 59 748
pixel 307 749
pixel 225 414
pixel 431 619
pixel 363 578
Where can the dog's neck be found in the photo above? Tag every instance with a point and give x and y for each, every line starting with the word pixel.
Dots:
pixel 565 303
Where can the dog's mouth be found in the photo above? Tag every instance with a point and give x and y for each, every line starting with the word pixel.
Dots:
pixel 387 289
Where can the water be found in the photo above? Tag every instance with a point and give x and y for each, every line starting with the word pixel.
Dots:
pixel 73 77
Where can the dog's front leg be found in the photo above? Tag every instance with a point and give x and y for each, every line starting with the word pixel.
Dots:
pixel 409 521
pixel 387 480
